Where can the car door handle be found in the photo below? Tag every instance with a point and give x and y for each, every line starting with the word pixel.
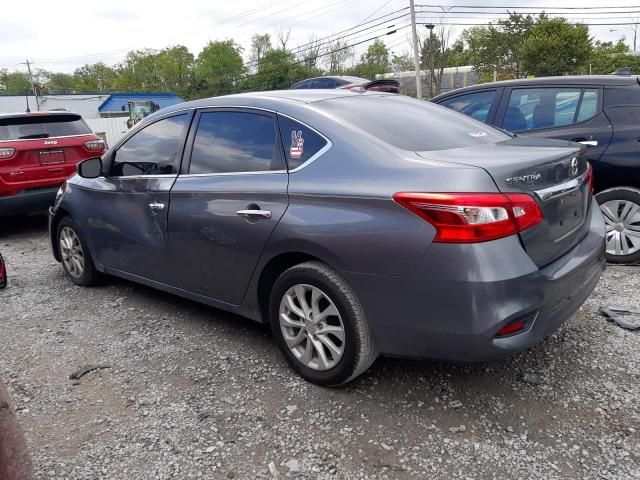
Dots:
pixel 584 141
pixel 254 213
pixel 156 207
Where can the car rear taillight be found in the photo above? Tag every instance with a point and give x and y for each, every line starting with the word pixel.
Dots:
pixel 95 145
pixel 588 177
pixel 473 217
pixel 7 153
pixel 3 273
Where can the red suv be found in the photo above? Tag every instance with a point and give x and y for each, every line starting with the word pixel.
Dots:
pixel 38 152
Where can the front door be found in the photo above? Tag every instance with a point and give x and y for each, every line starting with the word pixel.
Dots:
pixel 128 226
pixel 227 202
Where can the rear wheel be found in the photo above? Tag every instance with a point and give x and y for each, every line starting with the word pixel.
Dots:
pixel 319 325
pixel 76 259
pixel 621 209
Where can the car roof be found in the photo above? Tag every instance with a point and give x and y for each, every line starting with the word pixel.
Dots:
pixel 267 100
pixel 613 80
pixel 337 77
pixel 36 114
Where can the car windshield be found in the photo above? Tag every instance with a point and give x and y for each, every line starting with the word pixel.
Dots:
pixel 42 126
pixel 411 124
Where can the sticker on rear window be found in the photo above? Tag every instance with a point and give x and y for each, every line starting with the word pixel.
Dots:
pixel 297 144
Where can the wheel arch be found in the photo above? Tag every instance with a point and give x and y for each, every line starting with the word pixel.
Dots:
pixel 275 267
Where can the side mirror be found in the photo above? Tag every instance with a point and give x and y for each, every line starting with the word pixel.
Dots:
pixel 90 168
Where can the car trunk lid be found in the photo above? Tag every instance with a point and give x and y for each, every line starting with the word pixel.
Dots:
pixel 554 173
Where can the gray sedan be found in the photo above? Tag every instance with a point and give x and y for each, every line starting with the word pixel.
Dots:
pixel 356 224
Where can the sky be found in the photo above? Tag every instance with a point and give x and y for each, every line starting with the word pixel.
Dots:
pixel 66 35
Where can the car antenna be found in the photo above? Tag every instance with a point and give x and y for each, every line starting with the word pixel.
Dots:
pixel 26 97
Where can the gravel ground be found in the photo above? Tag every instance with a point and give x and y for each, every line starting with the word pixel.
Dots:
pixel 194 392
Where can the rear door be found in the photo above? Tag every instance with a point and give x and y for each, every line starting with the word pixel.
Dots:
pixel 226 202
pixel 129 208
pixel 571 113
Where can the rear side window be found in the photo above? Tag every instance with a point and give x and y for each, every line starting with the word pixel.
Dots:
pixel 532 108
pixel 476 105
pixel 324 83
pixel 300 142
pixel 152 150
pixel 410 124
pixel 237 142
pixel 42 126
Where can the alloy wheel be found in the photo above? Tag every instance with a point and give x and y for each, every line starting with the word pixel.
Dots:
pixel 71 251
pixel 312 327
pixel 622 219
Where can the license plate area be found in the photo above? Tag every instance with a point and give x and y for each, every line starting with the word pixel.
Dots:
pixel 566 213
pixel 49 157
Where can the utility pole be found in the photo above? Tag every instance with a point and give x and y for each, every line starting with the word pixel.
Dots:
pixel 416 55
pixel 33 87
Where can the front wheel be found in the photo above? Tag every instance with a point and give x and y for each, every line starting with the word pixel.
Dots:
pixel 319 325
pixel 621 209
pixel 76 259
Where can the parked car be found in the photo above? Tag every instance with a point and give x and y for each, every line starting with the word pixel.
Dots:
pixel 349 83
pixel 602 112
pixel 357 224
pixel 39 151
pixel 15 462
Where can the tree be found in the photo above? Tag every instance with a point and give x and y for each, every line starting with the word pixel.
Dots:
pixel 402 62
pixel 14 83
pixel 96 77
pixel 175 69
pixel 219 68
pixel 434 57
pixel 497 47
pixel 336 54
pixel 606 57
pixel 279 69
pixel 260 45
pixel 61 83
pixel 374 61
pixel 555 47
pixel 310 52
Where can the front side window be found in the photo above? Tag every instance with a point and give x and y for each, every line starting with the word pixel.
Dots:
pixel 300 142
pixel 533 108
pixel 476 105
pixel 324 83
pixel 152 150
pixel 238 142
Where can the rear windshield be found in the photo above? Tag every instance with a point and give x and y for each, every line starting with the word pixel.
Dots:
pixel 411 124
pixel 45 126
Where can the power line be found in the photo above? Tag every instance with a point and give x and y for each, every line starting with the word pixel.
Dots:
pixel 336 39
pixel 266 72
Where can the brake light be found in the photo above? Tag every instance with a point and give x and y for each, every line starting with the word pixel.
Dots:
pixel 511 328
pixel 473 217
pixel 588 177
pixel 95 145
pixel 7 153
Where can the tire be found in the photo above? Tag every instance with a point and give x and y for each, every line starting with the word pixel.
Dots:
pixel 621 209
pixel 336 308
pixel 76 258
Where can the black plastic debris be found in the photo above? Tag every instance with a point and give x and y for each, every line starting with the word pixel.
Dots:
pixel 617 315
pixel 86 369
pixel 531 378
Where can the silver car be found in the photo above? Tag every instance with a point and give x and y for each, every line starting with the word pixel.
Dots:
pixel 357 224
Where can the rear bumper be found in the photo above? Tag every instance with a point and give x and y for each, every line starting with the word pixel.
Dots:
pixel 29 201
pixel 460 296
